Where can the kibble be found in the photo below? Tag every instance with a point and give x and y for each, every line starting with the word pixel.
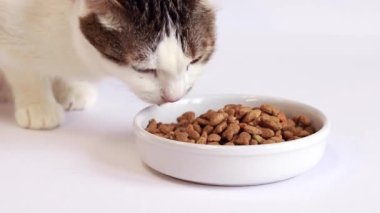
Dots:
pixel 231 131
pixel 208 129
pixel 243 139
pixel 251 129
pixel 221 127
pixel 214 138
pixel 267 133
pixel 235 124
pixel 202 139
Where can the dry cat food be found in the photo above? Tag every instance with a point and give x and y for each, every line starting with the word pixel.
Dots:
pixel 235 124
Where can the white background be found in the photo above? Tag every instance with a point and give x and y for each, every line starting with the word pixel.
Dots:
pixel 323 52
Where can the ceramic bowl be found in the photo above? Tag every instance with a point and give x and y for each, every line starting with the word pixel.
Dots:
pixel 230 165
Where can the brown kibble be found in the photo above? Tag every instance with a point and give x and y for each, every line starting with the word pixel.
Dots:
pixel 214 138
pixel 152 126
pixel 252 130
pixel 216 118
pixel 282 117
pixel 230 112
pixel 267 133
pixel 253 142
pixel 303 133
pixel 208 129
pixel 202 139
pixel 291 122
pixel 206 114
pixel 255 122
pixel 234 138
pixel 305 121
pixel 270 122
pixel 258 138
pixel 269 109
pixel 296 130
pixel 202 121
pixel 287 135
pixel 310 129
pixel 277 139
pixel 194 134
pixel 197 127
pixel 275 118
pixel 221 127
pixel 180 129
pixel 276 111
pixel 189 127
pixel 269 141
pixel 231 130
pixel 243 139
pixel 171 137
pixel 284 125
pixel 231 119
pixel 288 124
pixel 242 111
pixel 182 136
pixel 252 115
pixel 288 128
pixel 184 123
pixel 188 116
pixel 166 128
pixel 235 124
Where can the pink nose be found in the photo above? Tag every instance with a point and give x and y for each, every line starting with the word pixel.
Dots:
pixel 170 99
pixel 168 96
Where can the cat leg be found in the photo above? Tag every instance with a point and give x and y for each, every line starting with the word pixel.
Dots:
pixel 35 105
pixel 74 95
pixel 5 92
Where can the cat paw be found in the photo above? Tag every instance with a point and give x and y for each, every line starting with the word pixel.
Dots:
pixel 74 95
pixel 40 116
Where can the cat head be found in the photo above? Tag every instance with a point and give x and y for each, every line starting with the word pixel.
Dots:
pixel 157 47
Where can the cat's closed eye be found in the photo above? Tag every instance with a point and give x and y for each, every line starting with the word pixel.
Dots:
pixel 146 71
pixel 196 60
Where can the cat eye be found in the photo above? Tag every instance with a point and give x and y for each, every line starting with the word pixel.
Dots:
pixel 146 71
pixel 196 60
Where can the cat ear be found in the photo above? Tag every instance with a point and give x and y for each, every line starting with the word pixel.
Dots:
pixel 93 4
pixel 102 2
pixel 97 6
pixel 102 10
pixel 209 3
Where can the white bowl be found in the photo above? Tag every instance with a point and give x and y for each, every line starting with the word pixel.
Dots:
pixel 230 165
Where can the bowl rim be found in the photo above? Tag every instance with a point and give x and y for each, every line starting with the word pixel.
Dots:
pixel 294 144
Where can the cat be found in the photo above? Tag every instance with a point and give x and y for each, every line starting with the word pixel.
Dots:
pixel 51 50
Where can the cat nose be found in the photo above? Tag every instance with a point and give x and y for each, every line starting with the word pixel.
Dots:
pixel 171 96
pixel 168 99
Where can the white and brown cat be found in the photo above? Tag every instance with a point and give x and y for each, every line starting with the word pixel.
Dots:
pixel 51 49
